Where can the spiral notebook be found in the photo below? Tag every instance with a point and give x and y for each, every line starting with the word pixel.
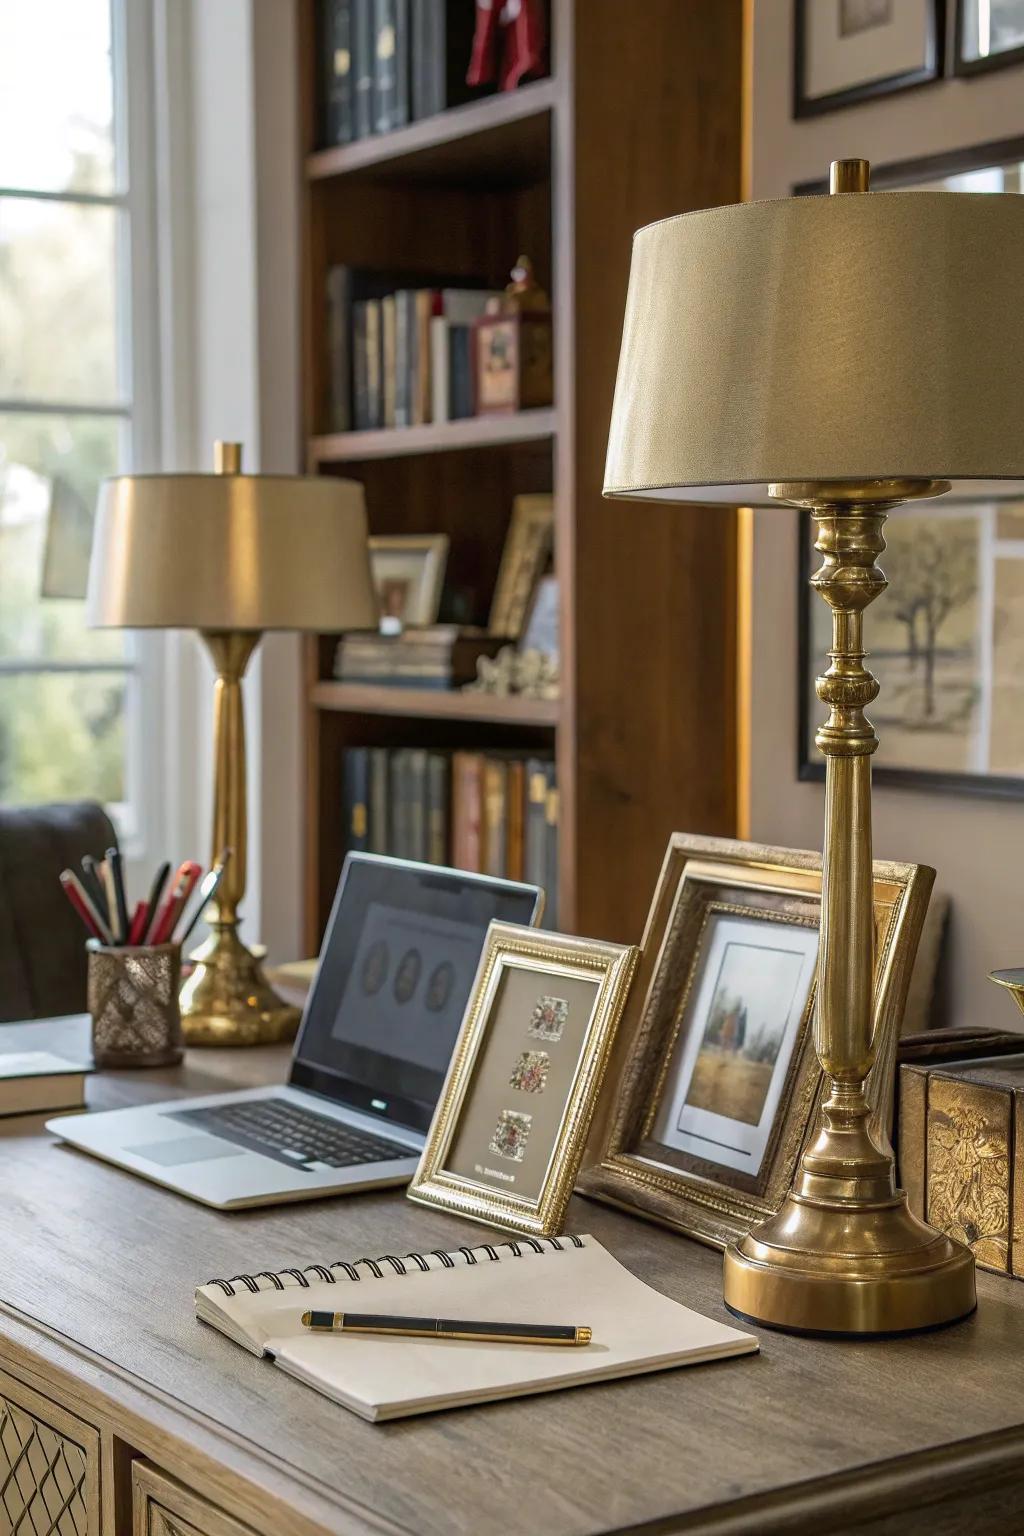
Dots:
pixel 550 1280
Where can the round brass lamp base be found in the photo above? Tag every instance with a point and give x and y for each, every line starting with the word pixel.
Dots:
pixel 228 1001
pixel 870 1269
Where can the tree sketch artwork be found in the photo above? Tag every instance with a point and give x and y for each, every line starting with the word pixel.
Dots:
pixel 946 642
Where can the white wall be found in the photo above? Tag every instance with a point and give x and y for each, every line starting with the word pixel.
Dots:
pixel 976 845
pixel 228 175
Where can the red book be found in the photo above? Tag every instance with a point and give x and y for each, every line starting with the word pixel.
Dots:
pixel 467 810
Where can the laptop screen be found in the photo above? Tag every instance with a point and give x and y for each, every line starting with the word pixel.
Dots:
pixel 396 968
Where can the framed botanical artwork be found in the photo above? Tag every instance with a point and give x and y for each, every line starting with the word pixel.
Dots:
pixel 526 553
pixel 989 35
pixel 714 1085
pixel 408 573
pixel 947 635
pixel 846 51
pixel 506 1140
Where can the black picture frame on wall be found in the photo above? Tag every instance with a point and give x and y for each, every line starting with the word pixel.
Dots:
pixel 967 66
pixel 810 765
pixel 807 105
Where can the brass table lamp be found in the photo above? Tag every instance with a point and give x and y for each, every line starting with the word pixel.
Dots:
pixel 231 555
pixel 843 353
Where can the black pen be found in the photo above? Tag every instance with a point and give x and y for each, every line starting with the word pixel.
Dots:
pixel 120 899
pixel 446 1328
pixel 94 885
pixel 207 891
pixel 156 890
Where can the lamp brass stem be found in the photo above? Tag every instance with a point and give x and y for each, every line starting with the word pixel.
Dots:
pixel 230 654
pixel 844 1254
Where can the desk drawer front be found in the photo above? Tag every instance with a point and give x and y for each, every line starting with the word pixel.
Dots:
pixel 49 1466
pixel 162 1507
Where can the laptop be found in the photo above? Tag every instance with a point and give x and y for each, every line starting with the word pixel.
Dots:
pixel 395 973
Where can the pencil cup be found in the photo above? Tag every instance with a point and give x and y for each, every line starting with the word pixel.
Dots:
pixel 133 999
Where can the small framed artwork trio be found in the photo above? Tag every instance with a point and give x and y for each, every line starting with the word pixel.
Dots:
pixel 681 1077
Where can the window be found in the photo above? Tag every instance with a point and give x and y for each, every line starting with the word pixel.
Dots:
pixel 70 213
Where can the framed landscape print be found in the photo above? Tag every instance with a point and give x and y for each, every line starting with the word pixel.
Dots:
pixel 946 638
pixel 989 35
pixel 508 1134
pixel 846 51
pixel 714 1084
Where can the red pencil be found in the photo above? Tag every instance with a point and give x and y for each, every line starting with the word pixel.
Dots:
pixel 138 922
pixel 170 911
pixel 76 893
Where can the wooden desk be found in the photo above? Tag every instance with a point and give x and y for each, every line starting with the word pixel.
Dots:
pixel 98 1341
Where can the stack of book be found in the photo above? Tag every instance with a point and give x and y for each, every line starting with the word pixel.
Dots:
pixel 386 62
pixel 433 656
pixel 400 354
pixel 493 813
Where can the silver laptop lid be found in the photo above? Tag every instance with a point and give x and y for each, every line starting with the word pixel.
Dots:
pixel 396 967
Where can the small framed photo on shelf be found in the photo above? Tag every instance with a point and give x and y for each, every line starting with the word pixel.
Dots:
pixel 408 573
pixel 715 1084
pixel 509 1130
pixel 989 35
pixel 540 632
pixel 848 51
pixel 527 551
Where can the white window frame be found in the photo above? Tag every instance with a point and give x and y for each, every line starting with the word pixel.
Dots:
pixel 139 816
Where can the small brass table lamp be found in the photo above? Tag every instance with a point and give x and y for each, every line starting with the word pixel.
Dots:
pixel 843 353
pixel 231 555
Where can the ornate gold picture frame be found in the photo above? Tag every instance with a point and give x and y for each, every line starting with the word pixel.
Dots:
pixel 508 1134
pixel 715 1084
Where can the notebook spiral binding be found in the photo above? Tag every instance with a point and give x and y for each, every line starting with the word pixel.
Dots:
pixel 266 1279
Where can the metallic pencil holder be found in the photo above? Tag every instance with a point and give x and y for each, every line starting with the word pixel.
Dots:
pixel 133 1000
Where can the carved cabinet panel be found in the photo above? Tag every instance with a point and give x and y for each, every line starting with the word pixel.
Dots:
pixel 49 1466
pixel 163 1507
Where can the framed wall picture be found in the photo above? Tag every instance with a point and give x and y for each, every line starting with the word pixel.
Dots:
pixel 846 51
pixel 512 1120
pixel 408 573
pixel 526 553
pixel 715 1086
pixel 947 635
pixel 989 35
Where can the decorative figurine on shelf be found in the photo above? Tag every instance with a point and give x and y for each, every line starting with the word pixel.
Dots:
pixel 518 27
pixel 512 347
pixel 528 674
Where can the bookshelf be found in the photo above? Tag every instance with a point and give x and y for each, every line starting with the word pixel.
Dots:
pixel 635 123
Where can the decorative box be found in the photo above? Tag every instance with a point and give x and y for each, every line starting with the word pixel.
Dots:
pixel 961 1150
pixel 514 368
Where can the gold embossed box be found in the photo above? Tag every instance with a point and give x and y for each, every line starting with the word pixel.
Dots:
pixel 961 1144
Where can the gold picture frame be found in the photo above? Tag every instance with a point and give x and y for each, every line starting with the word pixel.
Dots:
pixel 663 1145
pixel 408 574
pixel 509 1130
pixel 526 553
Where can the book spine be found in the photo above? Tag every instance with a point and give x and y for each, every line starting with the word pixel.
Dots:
pixel 426 299
pixel 374 385
pixel 398 828
pixel 535 859
pixel 378 840
pixel 356 794
pixel 461 402
pixel 428 54
pixel 339 351
pixel 467 810
pixel 387 347
pixel 336 42
pixel 495 823
pixel 551 816
pixel 385 45
pixel 439 368
pixel 360 367
pixel 416 789
pixel 362 66
pixel 515 819
pixel 402 108
pixel 438 765
pixel 404 325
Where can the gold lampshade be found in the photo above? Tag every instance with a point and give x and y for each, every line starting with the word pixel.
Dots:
pixel 231 552
pixel 823 338
pixel 843 353
pixel 231 555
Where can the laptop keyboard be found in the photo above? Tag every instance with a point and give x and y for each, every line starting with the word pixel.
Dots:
pixel 292 1135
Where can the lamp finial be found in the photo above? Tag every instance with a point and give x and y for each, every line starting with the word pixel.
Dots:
pixel 849 175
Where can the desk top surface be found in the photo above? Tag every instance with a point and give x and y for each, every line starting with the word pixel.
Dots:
pixel 109 1262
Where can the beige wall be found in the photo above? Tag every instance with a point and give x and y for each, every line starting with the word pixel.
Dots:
pixel 977 846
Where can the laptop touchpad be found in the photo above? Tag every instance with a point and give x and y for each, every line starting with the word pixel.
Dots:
pixel 185 1149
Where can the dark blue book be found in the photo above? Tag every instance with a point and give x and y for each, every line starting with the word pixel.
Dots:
pixel 363 51
pixel 356 799
pixel 338 105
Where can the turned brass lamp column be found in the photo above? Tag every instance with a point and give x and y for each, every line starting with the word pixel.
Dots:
pixel 843 354
pixel 232 556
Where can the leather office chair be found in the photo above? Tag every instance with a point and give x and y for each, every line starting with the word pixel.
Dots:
pixel 42 942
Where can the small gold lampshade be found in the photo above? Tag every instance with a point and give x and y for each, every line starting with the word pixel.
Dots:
pixel 231 555
pixel 842 353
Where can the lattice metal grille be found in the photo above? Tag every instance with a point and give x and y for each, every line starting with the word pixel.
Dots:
pixel 42 1478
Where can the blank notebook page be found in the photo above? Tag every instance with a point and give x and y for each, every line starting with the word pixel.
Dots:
pixel 635 1328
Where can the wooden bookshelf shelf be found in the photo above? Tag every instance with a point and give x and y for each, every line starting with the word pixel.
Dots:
pixel 395 442
pixel 435 704
pixel 504 140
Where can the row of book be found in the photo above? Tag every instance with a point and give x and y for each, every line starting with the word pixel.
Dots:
pixel 386 62
pixel 493 813
pixel 400 354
